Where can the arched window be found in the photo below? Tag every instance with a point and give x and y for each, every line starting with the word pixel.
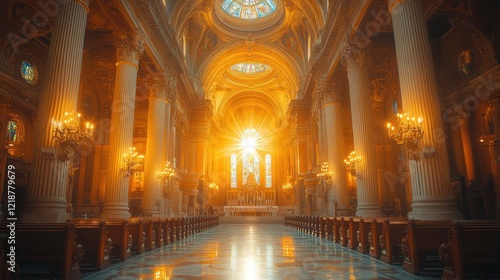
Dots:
pixel 269 178
pixel 234 173
pixel 29 72
pixel 12 131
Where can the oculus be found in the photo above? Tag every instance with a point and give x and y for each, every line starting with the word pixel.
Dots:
pixel 249 9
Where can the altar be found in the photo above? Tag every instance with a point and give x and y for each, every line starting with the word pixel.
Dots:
pixel 250 210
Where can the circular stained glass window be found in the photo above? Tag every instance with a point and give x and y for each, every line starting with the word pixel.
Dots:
pixel 250 68
pixel 29 72
pixel 249 9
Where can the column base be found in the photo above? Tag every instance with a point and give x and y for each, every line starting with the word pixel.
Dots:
pixel 369 210
pixel 45 210
pixel 115 210
pixel 432 209
pixel 150 212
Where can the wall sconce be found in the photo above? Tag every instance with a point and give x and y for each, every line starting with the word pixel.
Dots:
pixel 69 135
pixel 133 162
pixel 287 190
pixel 165 175
pixel 325 181
pixel 351 162
pixel 409 132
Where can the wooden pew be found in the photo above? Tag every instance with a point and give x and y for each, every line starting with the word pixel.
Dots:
pixel 173 230
pixel 159 227
pixel 344 225
pixel 472 250
pixel 390 240
pixel 336 229
pixel 362 236
pixel 93 235
pixel 149 233
pixel 329 228
pixel 374 237
pixel 166 231
pixel 422 240
pixel 121 239
pixel 51 246
pixel 352 232
pixel 136 230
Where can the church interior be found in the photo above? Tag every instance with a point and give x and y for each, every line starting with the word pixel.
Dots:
pixel 185 117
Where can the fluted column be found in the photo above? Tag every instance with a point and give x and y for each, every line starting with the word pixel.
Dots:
pixel 430 175
pixel 128 49
pixel 46 200
pixel 153 162
pixel 336 150
pixel 467 147
pixel 363 131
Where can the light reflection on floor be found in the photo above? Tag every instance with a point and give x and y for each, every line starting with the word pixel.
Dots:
pixel 251 251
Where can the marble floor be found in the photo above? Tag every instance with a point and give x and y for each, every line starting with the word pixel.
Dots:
pixel 252 248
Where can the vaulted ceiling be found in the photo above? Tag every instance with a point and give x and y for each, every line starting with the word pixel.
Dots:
pixel 214 42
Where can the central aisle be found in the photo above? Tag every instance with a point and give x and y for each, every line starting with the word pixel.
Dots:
pixel 251 248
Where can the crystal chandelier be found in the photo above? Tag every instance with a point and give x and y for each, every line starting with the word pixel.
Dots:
pixel 133 162
pixel 164 176
pixel 325 181
pixel 351 161
pixel 69 134
pixel 409 132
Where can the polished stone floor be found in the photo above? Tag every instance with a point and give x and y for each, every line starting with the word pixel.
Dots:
pixel 252 248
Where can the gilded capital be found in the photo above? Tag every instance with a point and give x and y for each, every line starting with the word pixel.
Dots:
pixel 158 86
pixel 129 48
pixel 350 51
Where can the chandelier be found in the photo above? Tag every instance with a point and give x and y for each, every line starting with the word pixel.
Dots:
pixel 325 181
pixel 351 161
pixel 164 176
pixel 133 162
pixel 409 132
pixel 69 134
pixel 287 190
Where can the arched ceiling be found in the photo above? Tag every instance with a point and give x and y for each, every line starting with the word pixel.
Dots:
pixel 213 41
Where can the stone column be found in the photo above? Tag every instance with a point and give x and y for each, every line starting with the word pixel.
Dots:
pixel 363 130
pixel 128 49
pixel 153 163
pixel 430 175
pixel 336 149
pixel 466 144
pixel 46 199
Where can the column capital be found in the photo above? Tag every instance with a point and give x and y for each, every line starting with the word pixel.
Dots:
pixel 129 48
pixel 157 86
pixel 348 51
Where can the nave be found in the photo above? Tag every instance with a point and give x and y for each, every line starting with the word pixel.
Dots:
pixel 252 248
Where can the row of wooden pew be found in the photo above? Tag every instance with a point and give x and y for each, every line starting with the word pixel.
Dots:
pixel 64 250
pixel 459 249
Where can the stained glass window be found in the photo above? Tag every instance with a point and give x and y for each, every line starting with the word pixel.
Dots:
pixel 395 107
pixel 12 131
pixel 250 68
pixel 233 171
pixel 249 9
pixel 256 168
pixel 28 72
pixel 269 181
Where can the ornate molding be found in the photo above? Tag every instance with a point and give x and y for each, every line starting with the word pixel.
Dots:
pixel 348 51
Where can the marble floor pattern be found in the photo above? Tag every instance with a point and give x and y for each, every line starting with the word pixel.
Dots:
pixel 254 249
